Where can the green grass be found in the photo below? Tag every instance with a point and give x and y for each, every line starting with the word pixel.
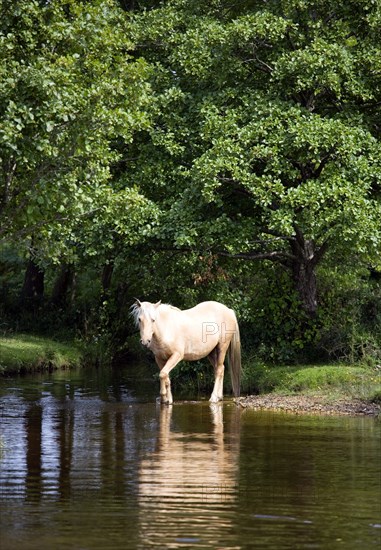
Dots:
pixel 333 380
pixel 28 353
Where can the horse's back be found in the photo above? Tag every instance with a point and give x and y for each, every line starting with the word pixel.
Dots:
pixel 210 312
pixel 209 308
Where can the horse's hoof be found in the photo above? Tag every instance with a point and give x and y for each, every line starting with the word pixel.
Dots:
pixel 161 401
pixel 214 399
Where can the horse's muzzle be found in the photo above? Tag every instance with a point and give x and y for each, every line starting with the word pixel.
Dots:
pixel 145 343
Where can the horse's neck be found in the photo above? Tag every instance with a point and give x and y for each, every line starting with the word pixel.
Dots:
pixel 166 315
pixel 169 307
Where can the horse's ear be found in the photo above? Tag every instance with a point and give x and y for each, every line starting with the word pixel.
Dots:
pixel 158 303
pixel 138 302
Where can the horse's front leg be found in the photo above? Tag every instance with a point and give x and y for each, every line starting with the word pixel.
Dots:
pixel 166 397
pixel 165 382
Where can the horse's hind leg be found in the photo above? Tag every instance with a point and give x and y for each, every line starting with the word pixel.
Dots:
pixel 216 357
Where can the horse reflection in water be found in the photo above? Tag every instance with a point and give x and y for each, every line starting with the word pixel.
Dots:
pixel 209 329
pixel 188 485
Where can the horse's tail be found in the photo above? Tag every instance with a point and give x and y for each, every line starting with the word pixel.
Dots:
pixel 234 356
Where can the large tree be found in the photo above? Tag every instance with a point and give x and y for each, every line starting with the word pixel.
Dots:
pixel 266 136
pixel 70 88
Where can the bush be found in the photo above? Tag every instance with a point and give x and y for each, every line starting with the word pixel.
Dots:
pixel 258 377
pixel 350 317
pixel 277 330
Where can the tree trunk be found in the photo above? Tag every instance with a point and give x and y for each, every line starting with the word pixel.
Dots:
pixel 304 277
pixel 306 257
pixel 107 272
pixel 62 284
pixel 33 287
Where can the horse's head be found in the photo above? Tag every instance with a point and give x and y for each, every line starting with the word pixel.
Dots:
pixel 145 315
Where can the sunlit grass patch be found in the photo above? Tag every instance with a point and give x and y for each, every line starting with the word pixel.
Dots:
pixel 362 382
pixel 26 353
pixel 316 378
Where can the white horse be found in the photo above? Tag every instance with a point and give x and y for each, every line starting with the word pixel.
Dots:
pixel 209 329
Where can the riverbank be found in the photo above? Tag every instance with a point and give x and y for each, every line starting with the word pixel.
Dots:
pixel 23 353
pixel 311 404
pixel 313 389
pixel 334 389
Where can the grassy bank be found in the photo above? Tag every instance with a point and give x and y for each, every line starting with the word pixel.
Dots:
pixel 334 381
pixel 22 353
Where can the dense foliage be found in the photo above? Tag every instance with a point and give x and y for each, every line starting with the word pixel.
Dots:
pixel 68 88
pixel 189 150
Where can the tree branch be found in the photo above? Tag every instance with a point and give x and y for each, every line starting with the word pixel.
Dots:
pixel 275 256
pixel 320 253
pixel 261 65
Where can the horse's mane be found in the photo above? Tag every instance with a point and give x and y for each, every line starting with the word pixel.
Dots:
pixel 136 310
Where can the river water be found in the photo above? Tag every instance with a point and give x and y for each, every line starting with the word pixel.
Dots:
pixel 89 461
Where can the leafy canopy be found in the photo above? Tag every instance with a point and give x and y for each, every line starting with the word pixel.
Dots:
pixel 69 87
pixel 267 126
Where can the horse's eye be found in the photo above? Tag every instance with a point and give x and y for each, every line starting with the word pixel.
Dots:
pixel 153 320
